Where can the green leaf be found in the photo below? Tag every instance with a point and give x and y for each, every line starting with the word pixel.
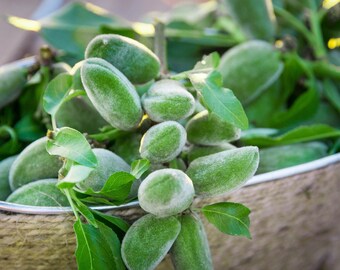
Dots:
pixel 76 174
pixel 304 107
pixel 220 100
pixel 140 166
pixel 9 143
pixel 332 93
pixel 56 92
pixel 96 200
pixel 116 221
pixel 28 129
pixel 108 134
pixel 71 144
pixel 300 134
pixel 97 248
pixel 230 218
pixel 117 187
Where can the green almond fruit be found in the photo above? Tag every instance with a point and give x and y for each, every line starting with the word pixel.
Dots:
pixel 111 93
pixel 148 240
pixel 79 113
pixel 5 166
pixel 191 248
pixel 197 151
pixel 39 193
pixel 163 142
pixel 13 78
pixel 166 192
pixel 168 100
pixel 208 129
pixel 250 68
pixel 223 172
pixel 279 157
pixel 133 59
pixel 255 18
pixel 108 163
pixel 32 164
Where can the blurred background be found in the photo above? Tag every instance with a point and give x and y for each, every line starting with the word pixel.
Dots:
pixel 15 42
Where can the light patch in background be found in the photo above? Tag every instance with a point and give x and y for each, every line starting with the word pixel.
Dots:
pixel 333 43
pixel 327 4
pixel 25 24
pixel 144 29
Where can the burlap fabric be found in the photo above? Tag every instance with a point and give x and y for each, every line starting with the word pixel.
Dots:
pixel 295 224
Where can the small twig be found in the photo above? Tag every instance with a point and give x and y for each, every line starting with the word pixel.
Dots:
pixel 160 46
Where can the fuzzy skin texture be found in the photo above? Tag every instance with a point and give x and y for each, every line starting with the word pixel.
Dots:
pixel 148 241
pixel 191 248
pixel 79 113
pixel 133 59
pixel 108 163
pixel 197 151
pixel 250 68
pixel 168 100
pixel 223 172
pixel 33 163
pixel 111 93
pixel 12 81
pixel 163 142
pixel 166 192
pixel 208 129
pixel 39 193
pixel 279 157
pixel 5 166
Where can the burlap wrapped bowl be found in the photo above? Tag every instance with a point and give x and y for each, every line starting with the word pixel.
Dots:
pixel 294 222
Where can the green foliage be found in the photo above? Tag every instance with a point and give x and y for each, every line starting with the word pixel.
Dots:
pixel 163 142
pixel 97 248
pixel 224 171
pixel 71 144
pixel 219 100
pixel 191 248
pixel 121 107
pixel 39 193
pixel 148 240
pixel 56 93
pixel 229 218
pixel 139 167
pixel 118 50
pixel 299 134
pixel 166 192
pixel 108 164
pixel 279 157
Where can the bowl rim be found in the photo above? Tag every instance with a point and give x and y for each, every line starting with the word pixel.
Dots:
pixel 255 180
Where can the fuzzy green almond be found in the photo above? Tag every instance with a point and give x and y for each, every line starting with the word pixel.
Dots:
pixel 223 172
pixel 197 151
pixel 250 68
pixel 5 166
pixel 208 129
pixel 191 248
pixel 39 193
pixel 279 157
pixel 111 93
pixel 166 192
pixel 132 58
pixel 108 163
pixel 148 240
pixel 13 78
pixel 163 142
pixel 32 164
pixel 168 100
